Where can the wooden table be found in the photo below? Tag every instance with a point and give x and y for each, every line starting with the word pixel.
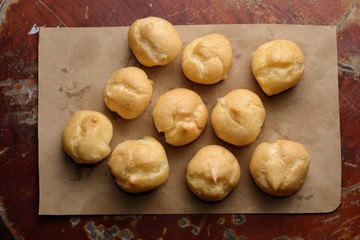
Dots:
pixel 19 191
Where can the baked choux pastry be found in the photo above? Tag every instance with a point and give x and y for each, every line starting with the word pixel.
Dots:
pixel 181 114
pixel 86 136
pixel 139 165
pixel 154 41
pixel 237 117
pixel 206 60
pixel 279 168
pixel 213 173
pixel 277 66
pixel 128 92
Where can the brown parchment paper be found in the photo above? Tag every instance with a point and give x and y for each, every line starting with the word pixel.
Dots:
pixel 74 65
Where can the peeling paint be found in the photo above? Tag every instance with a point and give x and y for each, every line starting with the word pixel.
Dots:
pixel 345 230
pixel 350 189
pixel 4 7
pixel 349 15
pixel 208 230
pixel 350 165
pixel 355 202
pixel 128 216
pixel 164 231
pixel 185 223
pixel 9 225
pixel 238 219
pixel 86 15
pixel 74 221
pixel 35 29
pixel 23 117
pixel 14 83
pixel 4 150
pixel 331 218
pixel 100 232
pixel 345 68
pixel 229 235
pixel 21 95
pixel 196 230
pixel 350 11
pixel 350 65
pixel 221 221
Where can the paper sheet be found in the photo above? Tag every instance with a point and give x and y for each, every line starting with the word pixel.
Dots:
pixel 74 65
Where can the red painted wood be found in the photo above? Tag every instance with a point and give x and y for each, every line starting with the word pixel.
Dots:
pixel 18 119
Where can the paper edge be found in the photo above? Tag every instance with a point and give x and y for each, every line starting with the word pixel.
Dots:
pixel 332 208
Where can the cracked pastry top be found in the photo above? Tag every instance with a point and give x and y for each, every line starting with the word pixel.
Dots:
pixel 86 136
pixel 206 60
pixel 213 173
pixel 279 168
pixel 181 115
pixel 139 165
pixel 277 66
pixel 128 92
pixel 237 117
pixel 154 41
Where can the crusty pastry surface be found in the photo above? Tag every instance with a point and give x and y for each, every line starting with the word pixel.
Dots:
pixel 279 168
pixel 237 117
pixel 154 41
pixel 86 136
pixel 139 165
pixel 181 114
pixel 277 65
pixel 206 60
pixel 128 92
pixel 213 173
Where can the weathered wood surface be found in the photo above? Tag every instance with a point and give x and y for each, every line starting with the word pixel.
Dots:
pixel 19 22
